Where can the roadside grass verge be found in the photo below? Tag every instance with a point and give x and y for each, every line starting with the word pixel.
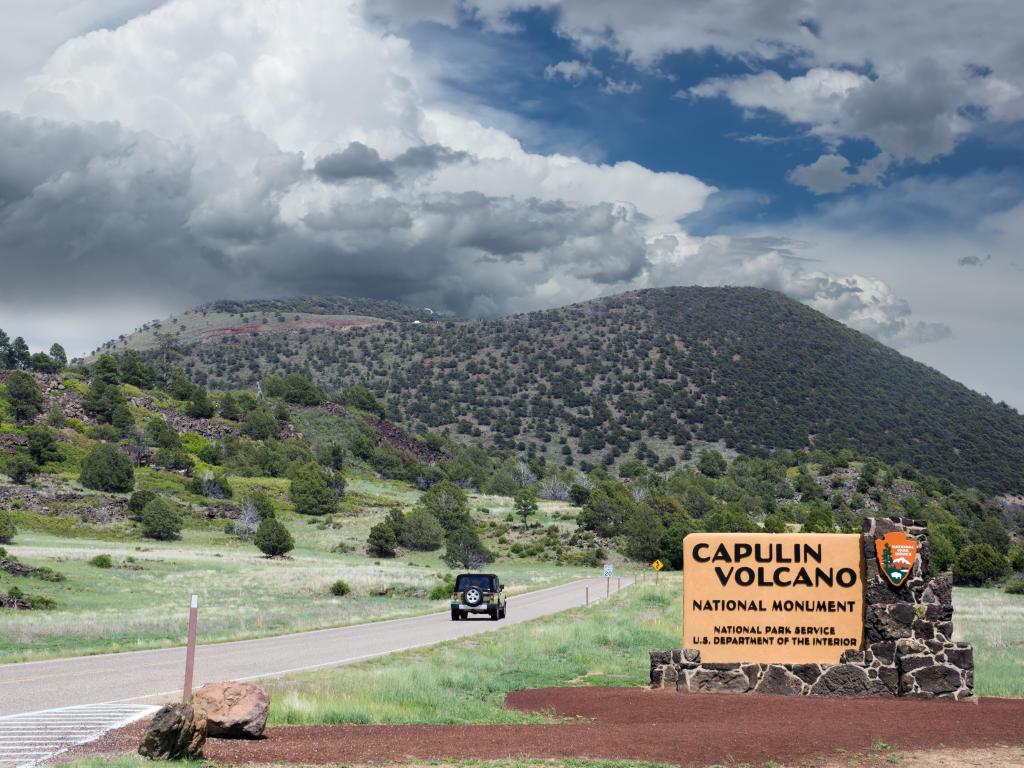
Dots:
pixel 466 681
pixel 993 622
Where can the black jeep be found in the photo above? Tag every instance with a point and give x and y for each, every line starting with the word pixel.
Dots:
pixel 478 593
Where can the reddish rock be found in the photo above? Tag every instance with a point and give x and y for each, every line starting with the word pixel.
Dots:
pixel 233 710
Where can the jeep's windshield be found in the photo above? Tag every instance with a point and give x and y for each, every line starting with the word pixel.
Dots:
pixel 480 581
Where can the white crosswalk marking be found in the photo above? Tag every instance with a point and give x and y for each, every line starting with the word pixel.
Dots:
pixel 35 736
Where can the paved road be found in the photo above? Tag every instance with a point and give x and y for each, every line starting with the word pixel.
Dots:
pixel 153 676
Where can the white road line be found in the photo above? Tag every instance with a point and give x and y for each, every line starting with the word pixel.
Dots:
pixel 27 739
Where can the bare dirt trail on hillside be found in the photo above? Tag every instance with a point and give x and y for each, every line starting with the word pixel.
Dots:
pixel 638 724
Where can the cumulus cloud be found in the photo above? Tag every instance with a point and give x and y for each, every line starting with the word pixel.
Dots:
pixel 615 87
pixel 903 78
pixel 358 161
pixel 829 174
pixel 573 71
pixel 864 303
pixel 221 148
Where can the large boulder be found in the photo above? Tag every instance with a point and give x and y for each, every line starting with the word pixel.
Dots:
pixel 233 710
pixel 176 732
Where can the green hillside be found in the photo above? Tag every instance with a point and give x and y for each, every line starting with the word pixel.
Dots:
pixel 650 374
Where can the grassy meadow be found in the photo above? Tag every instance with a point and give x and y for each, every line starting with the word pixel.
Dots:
pixel 606 644
pixel 993 622
pixel 466 681
pixel 142 601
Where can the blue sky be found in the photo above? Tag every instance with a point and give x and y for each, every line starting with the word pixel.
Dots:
pixel 484 158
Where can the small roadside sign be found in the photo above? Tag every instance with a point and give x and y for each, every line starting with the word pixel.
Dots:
pixel 609 569
pixel 657 565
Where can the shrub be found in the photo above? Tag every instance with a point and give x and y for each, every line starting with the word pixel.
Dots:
pixel 173 459
pixel 20 468
pixel 199 406
pixel 7 528
pixel 310 492
pixel 340 588
pixel 421 531
pixel 463 548
pixel 102 561
pixel 273 539
pixel 977 564
pixel 443 591
pixel 1017 558
pixel 260 424
pixel 106 468
pixel 212 453
pixel 211 486
pixel 55 418
pixel 161 434
pixel 139 500
pixel 382 541
pixel 25 397
pixel 41 445
pixel 1015 587
pixel 712 463
pixel 122 420
pixel 161 520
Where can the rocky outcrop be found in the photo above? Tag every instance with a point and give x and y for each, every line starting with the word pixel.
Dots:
pixel 176 732
pixel 908 650
pixel 233 710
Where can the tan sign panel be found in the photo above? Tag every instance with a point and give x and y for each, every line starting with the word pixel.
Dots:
pixel 772 598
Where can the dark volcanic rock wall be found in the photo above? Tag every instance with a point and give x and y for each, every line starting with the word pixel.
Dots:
pixel 908 647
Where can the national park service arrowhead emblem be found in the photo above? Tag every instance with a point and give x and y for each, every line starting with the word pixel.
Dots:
pixel 896 555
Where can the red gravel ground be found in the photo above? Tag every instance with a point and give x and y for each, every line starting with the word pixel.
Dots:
pixel 632 723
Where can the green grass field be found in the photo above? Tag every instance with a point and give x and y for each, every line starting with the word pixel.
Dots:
pixel 993 622
pixel 143 601
pixel 466 681
pixel 606 644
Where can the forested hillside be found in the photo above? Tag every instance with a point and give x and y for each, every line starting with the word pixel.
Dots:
pixel 649 374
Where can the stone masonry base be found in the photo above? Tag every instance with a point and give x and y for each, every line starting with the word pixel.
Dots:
pixel 908 648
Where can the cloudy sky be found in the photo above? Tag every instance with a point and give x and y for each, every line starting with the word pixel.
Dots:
pixel 489 157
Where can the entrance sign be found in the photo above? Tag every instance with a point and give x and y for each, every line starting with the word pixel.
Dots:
pixel 609 569
pixel 896 554
pixel 657 565
pixel 772 598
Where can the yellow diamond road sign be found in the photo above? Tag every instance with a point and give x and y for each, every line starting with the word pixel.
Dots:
pixel 657 565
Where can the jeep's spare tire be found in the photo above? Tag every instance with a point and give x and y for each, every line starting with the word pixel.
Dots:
pixel 473 596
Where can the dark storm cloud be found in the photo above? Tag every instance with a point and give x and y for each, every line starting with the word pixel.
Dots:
pixel 95 211
pixel 358 161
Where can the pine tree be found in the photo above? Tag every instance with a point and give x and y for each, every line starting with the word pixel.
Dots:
pixel 106 468
pixel 25 397
pixel 58 355
pixel 200 406
pixel 20 354
pixel 272 538
pixel 134 372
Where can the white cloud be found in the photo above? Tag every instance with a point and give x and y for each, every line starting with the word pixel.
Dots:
pixel 174 159
pixel 828 174
pixel 916 69
pixel 617 87
pixel 815 97
pixel 571 71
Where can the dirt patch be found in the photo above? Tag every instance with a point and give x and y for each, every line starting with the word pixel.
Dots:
pixel 1003 757
pixel 656 726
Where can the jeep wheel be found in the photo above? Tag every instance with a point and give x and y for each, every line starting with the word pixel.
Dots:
pixel 473 596
pixel 495 613
pixel 504 611
pixel 456 614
